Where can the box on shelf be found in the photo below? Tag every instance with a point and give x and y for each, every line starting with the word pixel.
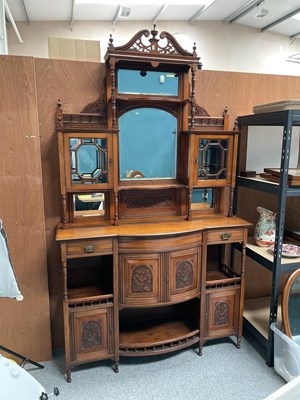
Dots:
pixel 286 354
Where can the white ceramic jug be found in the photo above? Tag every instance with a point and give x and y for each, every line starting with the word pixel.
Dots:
pixel 265 229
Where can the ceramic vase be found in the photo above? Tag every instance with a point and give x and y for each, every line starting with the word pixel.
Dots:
pixel 265 229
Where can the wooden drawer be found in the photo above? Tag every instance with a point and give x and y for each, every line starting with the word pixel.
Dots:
pixel 225 235
pixel 89 248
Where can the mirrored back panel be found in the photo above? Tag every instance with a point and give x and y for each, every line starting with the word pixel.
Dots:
pixel 147 144
pixel 88 205
pixel 147 82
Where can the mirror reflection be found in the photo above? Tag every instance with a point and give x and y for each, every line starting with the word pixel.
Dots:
pixel 148 144
pixel 291 306
pixel 212 158
pixel 147 82
pixel 88 160
pixel 294 308
pixel 203 199
pixel 88 204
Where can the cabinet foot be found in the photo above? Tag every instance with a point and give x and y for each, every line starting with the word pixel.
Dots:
pixel 238 342
pixel 116 368
pixel 69 376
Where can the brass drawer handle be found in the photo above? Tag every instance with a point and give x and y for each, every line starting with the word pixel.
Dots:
pixel 89 248
pixel 225 236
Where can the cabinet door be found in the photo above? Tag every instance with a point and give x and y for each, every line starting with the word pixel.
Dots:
pixel 184 274
pixel 140 279
pixel 222 313
pixel 88 161
pixel 91 334
pixel 213 159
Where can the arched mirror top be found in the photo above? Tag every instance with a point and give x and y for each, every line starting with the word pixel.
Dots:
pixel 147 144
pixel 291 305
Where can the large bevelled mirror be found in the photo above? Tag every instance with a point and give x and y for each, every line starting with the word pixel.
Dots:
pixel 291 306
pixel 147 144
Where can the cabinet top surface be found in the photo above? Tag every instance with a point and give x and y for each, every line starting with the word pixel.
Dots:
pixel 153 229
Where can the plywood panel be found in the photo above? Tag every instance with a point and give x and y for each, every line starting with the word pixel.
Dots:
pixel 25 326
pixel 241 91
pixel 74 49
pixel 76 84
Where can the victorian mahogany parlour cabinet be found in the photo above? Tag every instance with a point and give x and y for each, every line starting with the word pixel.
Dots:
pixel 147 179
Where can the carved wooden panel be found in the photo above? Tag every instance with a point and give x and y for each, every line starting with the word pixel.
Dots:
pixel 140 279
pixel 222 313
pixel 91 333
pixel 137 203
pixel 184 274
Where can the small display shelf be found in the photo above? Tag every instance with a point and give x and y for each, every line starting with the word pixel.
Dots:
pixel 157 338
pixel 88 294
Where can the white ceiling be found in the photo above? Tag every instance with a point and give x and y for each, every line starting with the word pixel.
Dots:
pixel 278 16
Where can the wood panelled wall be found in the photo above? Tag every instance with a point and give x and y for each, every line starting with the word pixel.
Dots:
pixel 30 195
pixel 25 325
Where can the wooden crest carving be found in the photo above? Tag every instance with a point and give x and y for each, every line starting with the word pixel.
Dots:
pixel 221 313
pixel 146 41
pixel 141 279
pixel 96 107
pixel 199 111
pixel 184 274
pixel 91 334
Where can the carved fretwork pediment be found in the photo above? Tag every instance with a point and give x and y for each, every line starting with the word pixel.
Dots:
pixel 146 41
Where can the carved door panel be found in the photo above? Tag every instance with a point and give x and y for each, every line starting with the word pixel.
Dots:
pixel 91 334
pixel 140 279
pixel 184 274
pixel 222 313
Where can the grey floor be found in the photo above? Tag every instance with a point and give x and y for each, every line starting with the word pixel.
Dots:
pixel 222 373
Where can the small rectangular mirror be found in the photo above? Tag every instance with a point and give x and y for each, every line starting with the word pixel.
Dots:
pixel 87 205
pixel 203 199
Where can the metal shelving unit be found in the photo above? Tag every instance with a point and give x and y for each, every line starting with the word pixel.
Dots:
pixel 287 119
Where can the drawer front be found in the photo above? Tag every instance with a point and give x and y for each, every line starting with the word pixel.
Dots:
pixel 89 247
pixel 225 235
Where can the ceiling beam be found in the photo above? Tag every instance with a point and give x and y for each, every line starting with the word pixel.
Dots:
pixel 295 36
pixel 200 11
pixel 196 15
pixel 25 11
pixel 278 21
pixel 160 12
pixel 245 9
pixel 72 14
pixel 116 17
